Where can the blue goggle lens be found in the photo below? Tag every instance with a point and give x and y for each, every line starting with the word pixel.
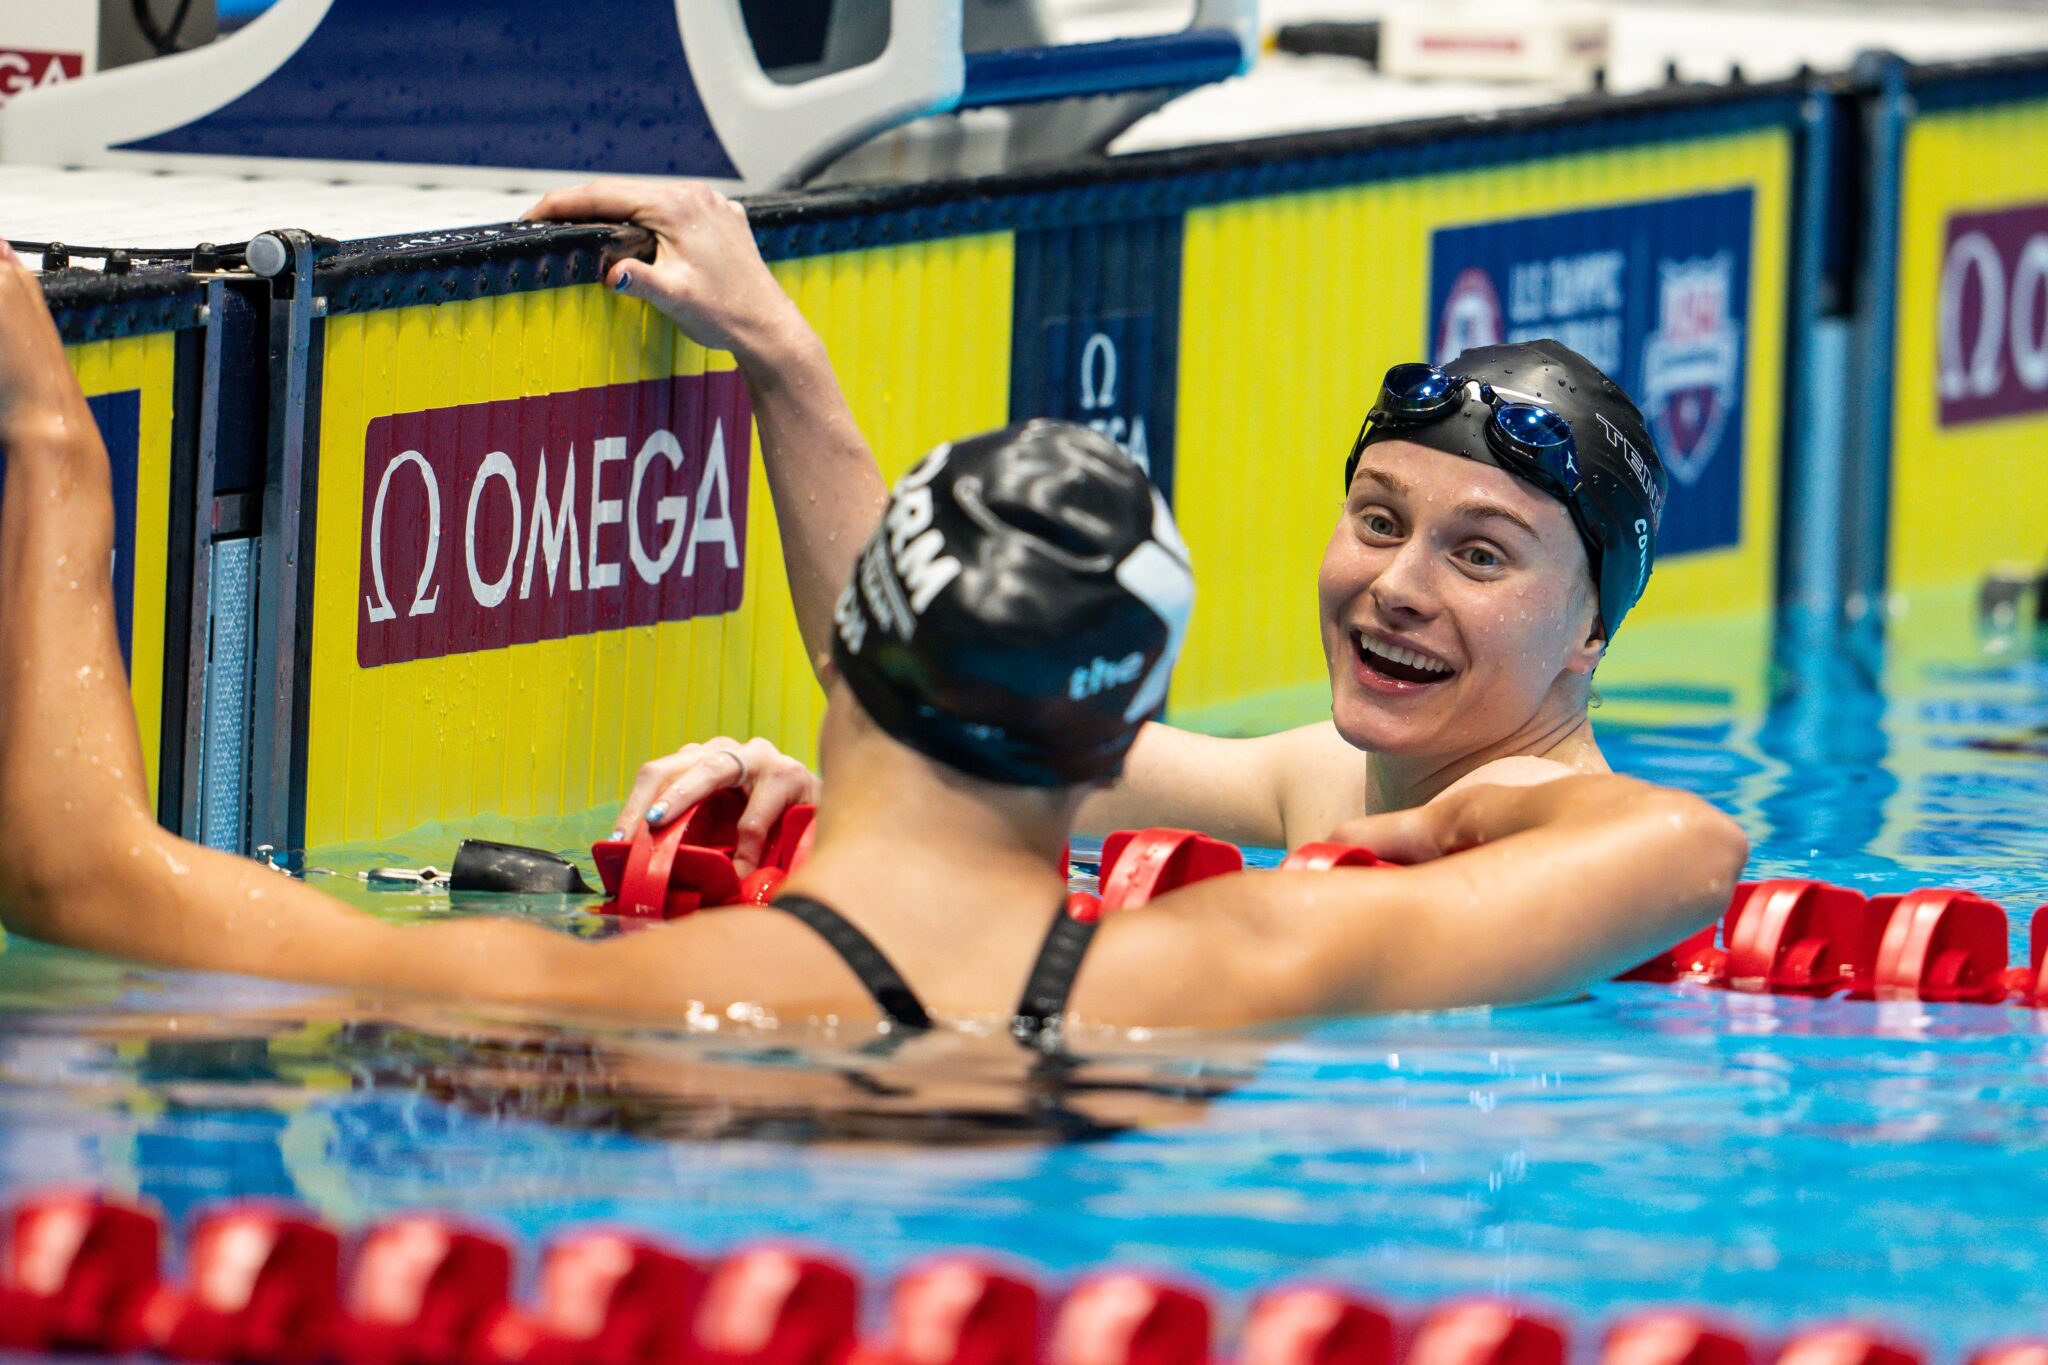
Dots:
pixel 1533 428
pixel 1415 389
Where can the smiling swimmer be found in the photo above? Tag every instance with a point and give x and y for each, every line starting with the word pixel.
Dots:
pixel 985 597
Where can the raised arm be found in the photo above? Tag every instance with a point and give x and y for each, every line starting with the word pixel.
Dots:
pixel 709 279
pixel 1538 891
pixel 82 861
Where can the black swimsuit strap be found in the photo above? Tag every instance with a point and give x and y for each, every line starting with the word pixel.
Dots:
pixel 1045 991
pixel 899 1004
pixel 1052 979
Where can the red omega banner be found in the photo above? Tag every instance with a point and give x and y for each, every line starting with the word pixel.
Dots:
pixel 1993 315
pixel 495 524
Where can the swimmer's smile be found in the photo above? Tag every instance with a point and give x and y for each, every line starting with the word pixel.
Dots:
pixel 1388 667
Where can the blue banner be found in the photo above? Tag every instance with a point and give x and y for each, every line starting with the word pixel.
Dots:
pixel 1096 333
pixel 120 421
pixel 1654 293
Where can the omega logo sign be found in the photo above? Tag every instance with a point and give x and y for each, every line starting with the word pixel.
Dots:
pixel 1991 316
pixel 23 70
pixel 495 524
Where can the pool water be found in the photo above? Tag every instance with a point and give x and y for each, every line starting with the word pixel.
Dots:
pixel 1782 1160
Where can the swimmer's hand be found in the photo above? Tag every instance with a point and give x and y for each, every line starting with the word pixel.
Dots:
pixel 707 276
pixel 37 393
pixel 1420 834
pixel 666 787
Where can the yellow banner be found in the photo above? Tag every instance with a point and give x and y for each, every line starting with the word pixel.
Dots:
pixel 595 576
pixel 1969 484
pixel 130 385
pixel 1292 309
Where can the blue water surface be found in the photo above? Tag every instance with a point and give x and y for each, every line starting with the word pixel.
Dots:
pixel 1782 1160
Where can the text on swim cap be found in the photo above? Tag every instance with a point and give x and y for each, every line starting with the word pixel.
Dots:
pixel 1636 465
pixel 919 549
pixel 1100 674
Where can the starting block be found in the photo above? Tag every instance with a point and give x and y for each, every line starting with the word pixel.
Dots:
pixel 1130 1319
pixel 1139 865
pixel 261 1283
pixel 1486 1332
pixel 1673 1337
pixel 1313 1326
pixel 77 1273
pixel 962 1311
pixel 750 98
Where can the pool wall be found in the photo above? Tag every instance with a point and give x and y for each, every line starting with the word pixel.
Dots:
pixel 514 536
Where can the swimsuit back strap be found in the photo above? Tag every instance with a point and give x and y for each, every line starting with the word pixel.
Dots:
pixel 1052 978
pixel 898 1003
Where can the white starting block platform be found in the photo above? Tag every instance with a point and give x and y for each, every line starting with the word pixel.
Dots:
pixel 292 121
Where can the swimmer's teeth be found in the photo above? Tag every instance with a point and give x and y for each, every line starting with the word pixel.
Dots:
pixel 1405 657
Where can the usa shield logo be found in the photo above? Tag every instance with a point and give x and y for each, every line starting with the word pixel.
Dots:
pixel 1692 363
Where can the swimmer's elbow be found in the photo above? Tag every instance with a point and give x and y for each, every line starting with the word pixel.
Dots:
pixel 1724 847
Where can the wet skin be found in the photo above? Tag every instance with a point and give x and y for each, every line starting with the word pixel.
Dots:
pixel 1480 585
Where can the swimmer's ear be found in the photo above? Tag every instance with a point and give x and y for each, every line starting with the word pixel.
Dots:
pixel 1587 656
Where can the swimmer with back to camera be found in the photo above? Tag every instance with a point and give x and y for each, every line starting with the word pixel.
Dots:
pixel 1499 520
pixel 957 758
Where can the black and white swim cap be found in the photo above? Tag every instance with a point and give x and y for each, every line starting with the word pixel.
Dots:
pixel 1019 610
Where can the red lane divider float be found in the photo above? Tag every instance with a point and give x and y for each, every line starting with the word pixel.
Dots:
pixel 1125 1318
pixel 262 1283
pixel 1673 1337
pixel 1486 1332
pixel 266 1284
pixel 1308 1325
pixel 423 1289
pixel 1138 865
pixel 1790 937
pixel 1779 937
pixel 77 1273
pixel 1848 1344
pixel 962 1311
pixel 687 864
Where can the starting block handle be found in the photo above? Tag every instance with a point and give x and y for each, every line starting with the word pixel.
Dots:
pixel 1115 66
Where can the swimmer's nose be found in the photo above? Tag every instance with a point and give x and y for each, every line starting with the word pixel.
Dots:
pixel 1402 590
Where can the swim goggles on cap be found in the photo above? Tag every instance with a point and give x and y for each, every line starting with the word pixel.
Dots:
pixel 1529 439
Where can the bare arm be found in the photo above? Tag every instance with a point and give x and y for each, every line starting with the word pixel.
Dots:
pixel 709 279
pixel 83 863
pixel 1539 890
pixel 1277 789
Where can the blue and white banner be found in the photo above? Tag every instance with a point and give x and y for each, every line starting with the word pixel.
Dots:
pixel 1654 293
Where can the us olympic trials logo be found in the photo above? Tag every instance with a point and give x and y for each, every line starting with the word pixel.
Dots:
pixel 1692 362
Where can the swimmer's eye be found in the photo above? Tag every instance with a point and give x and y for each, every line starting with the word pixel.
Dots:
pixel 1377 523
pixel 1483 557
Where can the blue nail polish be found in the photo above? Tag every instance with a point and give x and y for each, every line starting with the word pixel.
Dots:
pixel 625 279
pixel 656 811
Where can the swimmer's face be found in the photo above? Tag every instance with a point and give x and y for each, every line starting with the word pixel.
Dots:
pixel 1457 606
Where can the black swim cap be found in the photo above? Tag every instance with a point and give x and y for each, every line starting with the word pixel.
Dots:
pixel 1621 497
pixel 1018 611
